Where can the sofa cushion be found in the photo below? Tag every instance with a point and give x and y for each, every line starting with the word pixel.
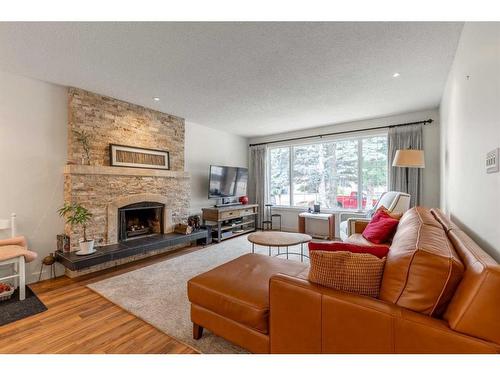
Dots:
pixel 346 271
pixel 239 289
pixel 422 269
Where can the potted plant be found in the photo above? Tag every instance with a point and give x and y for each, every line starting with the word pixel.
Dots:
pixel 76 214
pixel 84 139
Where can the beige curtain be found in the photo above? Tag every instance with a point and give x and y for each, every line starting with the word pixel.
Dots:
pixel 257 178
pixel 400 138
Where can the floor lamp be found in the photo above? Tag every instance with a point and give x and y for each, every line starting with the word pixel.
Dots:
pixel 409 159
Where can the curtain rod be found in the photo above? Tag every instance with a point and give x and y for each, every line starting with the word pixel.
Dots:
pixel 429 121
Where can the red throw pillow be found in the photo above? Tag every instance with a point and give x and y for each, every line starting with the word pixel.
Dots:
pixel 378 251
pixel 394 215
pixel 381 228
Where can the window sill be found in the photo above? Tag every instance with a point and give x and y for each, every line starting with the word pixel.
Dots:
pixel 323 210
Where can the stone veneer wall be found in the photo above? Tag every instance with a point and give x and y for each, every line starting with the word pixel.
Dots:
pixel 97 193
pixel 114 121
pixel 110 120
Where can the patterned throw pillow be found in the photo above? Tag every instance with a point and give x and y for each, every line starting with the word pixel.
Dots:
pixel 346 271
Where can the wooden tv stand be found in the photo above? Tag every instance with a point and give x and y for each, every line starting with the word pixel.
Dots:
pixel 228 222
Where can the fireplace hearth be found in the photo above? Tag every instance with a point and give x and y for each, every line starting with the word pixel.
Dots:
pixel 140 220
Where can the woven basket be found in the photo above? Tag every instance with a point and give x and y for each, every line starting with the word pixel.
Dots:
pixel 6 295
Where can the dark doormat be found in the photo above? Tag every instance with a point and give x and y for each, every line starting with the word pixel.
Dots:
pixel 13 309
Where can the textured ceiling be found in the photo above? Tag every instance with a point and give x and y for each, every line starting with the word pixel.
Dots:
pixel 246 78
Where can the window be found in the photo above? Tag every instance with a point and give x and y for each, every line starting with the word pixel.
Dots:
pixel 279 187
pixel 349 173
pixel 374 170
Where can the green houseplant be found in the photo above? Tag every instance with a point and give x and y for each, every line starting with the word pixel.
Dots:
pixel 76 214
pixel 84 138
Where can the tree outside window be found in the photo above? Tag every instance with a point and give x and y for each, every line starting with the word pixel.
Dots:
pixel 279 184
pixel 329 173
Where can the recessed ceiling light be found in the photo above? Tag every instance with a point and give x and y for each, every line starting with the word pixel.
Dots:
pixel 156 99
pixel 396 75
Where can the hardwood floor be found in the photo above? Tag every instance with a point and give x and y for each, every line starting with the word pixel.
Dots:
pixel 79 320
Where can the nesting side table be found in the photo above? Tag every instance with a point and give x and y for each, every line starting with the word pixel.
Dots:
pixel 280 239
pixel 303 216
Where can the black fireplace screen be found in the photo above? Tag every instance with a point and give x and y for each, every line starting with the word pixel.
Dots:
pixel 140 219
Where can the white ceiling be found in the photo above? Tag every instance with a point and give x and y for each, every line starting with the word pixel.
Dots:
pixel 246 78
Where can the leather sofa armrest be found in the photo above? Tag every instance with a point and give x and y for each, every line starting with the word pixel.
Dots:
pixel 308 318
pixel 355 225
pixel 418 333
pixel 294 316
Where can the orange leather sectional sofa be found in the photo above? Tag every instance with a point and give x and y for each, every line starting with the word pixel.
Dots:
pixel 440 293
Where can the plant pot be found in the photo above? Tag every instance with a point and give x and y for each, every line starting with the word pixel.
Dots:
pixel 86 247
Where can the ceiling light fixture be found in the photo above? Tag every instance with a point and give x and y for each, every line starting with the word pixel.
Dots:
pixel 156 99
pixel 396 75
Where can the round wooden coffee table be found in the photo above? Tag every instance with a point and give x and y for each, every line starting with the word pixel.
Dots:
pixel 280 239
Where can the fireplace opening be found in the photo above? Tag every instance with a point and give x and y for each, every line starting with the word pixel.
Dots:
pixel 139 220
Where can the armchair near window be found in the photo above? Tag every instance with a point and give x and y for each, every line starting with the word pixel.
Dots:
pixel 394 201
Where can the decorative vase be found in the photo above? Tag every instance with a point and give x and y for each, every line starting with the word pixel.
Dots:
pixel 86 247
pixel 244 199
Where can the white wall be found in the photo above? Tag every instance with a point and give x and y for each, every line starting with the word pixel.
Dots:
pixel 470 117
pixel 33 122
pixel 431 177
pixel 205 146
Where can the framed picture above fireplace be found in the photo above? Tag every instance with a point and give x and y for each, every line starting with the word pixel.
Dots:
pixel 137 157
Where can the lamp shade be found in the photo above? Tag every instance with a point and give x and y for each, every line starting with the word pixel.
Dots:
pixel 409 159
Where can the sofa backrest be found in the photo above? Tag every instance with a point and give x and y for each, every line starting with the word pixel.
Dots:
pixel 475 307
pixel 445 222
pixel 422 268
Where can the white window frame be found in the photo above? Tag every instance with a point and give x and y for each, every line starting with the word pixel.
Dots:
pixel 290 145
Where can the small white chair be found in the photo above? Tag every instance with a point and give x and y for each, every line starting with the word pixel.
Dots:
pixel 13 252
pixel 394 201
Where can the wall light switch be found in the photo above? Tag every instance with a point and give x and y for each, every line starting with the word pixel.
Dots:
pixel 492 162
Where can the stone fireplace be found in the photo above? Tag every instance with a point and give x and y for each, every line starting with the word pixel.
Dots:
pixel 139 220
pixel 150 204
pixel 126 203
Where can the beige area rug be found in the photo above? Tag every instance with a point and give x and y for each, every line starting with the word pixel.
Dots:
pixel 158 293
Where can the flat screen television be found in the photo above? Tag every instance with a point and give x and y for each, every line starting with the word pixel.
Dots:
pixel 227 181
